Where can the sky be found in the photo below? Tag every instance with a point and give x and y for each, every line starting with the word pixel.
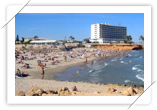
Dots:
pixel 58 26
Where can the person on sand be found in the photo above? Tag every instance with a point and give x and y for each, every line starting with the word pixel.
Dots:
pixel 85 61
pixel 42 73
pixel 18 73
pixel 92 62
pixel 65 58
pixel 74 88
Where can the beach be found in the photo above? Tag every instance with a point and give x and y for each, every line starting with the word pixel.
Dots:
pixel 74 58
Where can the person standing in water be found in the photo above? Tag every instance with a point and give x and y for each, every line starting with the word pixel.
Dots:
pixel 42 73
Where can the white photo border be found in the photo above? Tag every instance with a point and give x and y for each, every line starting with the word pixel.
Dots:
pixel 12 99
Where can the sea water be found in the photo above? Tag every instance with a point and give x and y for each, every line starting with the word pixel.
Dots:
pixel 126 69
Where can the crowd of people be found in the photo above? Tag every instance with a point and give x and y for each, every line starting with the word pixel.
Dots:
pixel 45 57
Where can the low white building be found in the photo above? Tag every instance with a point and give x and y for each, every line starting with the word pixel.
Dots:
pixel 43 41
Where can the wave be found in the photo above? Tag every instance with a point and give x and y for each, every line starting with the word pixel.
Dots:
pixel 138 65
pixel 105 64
pixel 140 57
pixel 140 77
pixel 95 73
pixel 90 71
pixel 134 68
pixel 129 55
pixel 123 62
pixel 130 61
pixel 114 60
pixel 139 70
pixel 127 81
pixel 121 58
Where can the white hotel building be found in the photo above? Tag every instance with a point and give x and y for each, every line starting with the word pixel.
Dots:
pixel 104 33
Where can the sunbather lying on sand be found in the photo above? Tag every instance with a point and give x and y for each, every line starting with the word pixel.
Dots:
pixel 25 66
pixel 18 73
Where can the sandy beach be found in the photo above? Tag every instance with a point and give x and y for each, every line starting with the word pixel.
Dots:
pixel 73 59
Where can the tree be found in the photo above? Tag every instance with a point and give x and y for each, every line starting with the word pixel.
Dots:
pixel 35 37
pixel 118 41
pixel 87 40
pixel 22 41
pixel 72 38
pixel 129 38
pixel 17 38
pixel 141 38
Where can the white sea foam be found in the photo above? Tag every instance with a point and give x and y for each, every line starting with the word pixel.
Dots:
pixel 138 65
pixel 134 68
pixel 105 64
pixel 129 55
pixel 139 70
pixel 94 74
pixel 123 62
pixel 127 81
pixel 140 77
pixel 90 71
pixel 114 60
pixel 140 57
pixel 121 58
pixel 130 61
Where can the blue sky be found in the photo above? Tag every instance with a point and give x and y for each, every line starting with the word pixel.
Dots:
pixel 60 25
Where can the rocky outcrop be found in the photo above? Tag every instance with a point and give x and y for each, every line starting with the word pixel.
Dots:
pixel 64 91
pixel 36 91
pixel 110 90
pixel 118 46
pixel 51 92
pixel 20 93
pixel 139 47
pixel 129 92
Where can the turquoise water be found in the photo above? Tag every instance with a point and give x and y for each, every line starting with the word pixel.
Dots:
pixel 126 69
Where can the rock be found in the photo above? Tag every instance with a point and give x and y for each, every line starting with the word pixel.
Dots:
pixel 20 93
pixel 101 92
pixel 44 94
pixel 136 90
pixel 129 92
pixel 36 91
pixel 96 92
pixel 118 92
pixel 110 90
pixel 51 92
pixel 64 91
pixel 73 93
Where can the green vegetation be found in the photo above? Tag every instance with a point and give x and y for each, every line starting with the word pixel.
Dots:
pixel 96 42
pixel 141 38
pixel 35 37
pixel 76 41
pixel 81 45
pixel 128 39
pixel 87 40
pixel 71 38
pixel 28 42
pixel 22 41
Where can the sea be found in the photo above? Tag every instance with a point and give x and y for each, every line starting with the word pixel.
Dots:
pixel 127 69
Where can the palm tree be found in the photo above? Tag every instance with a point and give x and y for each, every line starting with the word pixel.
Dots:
pixel 72 38
pixel 141 38
pixel 129 38
pixel 35 37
